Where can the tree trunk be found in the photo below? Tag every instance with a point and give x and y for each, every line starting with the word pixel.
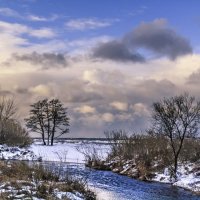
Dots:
pixel 175 166
pixel 43 139
pixel 52 138
pixel 53 129
pixel 48 140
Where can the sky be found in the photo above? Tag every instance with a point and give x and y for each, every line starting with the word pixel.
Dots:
pixel 107 61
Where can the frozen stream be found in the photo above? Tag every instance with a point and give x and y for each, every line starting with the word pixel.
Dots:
pixel 111 186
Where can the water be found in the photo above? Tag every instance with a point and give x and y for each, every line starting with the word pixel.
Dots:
pixel 111 186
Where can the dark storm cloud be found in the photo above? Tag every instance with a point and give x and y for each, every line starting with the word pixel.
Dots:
pixel 46 60
pixel 116 50
pixel 155 36
pixel 159 38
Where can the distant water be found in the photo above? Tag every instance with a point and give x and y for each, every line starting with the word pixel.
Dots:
pixel 111 186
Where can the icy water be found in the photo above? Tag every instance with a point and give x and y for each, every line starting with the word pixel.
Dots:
pixel 111 186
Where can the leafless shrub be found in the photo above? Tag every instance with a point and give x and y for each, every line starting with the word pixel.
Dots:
pixel 145 150
pixel 93 157
pixel 136 146
pixel 13 134
pixel 11 131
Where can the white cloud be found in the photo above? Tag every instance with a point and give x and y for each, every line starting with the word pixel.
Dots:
pixel 41 18
pixel 19 29
pixel 41 90
pixel 89 23
pixel 36 18
pixel 43 33
pixel 86 109
pixel 9 12
pixel 99 76
pixel 122 106
pixel 13 28
pixel 108 117
pixel 140 109
pixel 90 76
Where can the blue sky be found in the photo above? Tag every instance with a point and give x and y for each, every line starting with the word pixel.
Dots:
pixel 107 61
pixel 122 15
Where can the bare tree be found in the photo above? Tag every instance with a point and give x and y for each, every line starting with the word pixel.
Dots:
pixel 7 111
pixel 60 121
pixel 7 108
pixel 176 118
pixel 49 118
pixel 36 121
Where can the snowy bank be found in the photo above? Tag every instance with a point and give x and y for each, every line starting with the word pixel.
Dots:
pixel 188 175
pixel 16 153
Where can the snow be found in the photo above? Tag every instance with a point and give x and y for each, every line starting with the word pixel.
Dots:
pixel 67 151
pixel 58 194
pixel 70 195
pixel 186 178
pixel 103 194
pixel 58 152
pixel 15 153
pixel 61 151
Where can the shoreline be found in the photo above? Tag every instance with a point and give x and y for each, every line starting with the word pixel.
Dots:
pixel 158 177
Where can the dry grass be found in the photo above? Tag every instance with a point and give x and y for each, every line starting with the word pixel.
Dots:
pixel 146 150
pixel 36 180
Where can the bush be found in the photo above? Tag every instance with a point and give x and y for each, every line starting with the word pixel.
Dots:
pixel 11 131
pixel 138 147
pixel 13 134
pixel 191 150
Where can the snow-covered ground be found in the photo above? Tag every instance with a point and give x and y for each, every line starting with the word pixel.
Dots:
pixel 21 193
pixel 61 151
pixel 15 153
pixel 188 177
pixel 68 151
